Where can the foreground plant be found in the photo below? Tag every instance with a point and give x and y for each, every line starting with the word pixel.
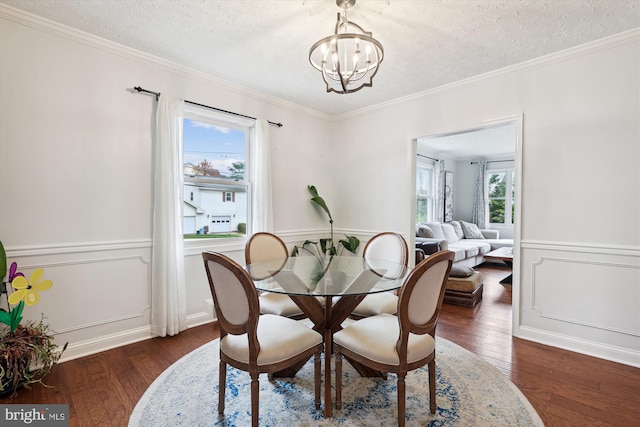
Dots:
pixel 27 352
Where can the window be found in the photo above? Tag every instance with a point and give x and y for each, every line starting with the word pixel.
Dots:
pixel 216 184
pixel 424 194
pixel 501 200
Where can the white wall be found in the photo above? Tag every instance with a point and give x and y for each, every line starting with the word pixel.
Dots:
pixel 577 273
pixel 75 180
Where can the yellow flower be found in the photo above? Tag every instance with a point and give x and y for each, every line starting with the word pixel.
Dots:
pixel 29 291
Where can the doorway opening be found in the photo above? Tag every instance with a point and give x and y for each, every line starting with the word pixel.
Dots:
pixel 447 165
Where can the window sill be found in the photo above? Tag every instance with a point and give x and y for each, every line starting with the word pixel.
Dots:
pixel 197 246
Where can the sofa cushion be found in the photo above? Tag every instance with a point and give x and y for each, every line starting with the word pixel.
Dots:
pixel 459 253
pixel 423 230
pixel 483 245
pixel 470 249
pixel 460 271
pixel 449 233
pixel 436 227
pixel 458 229
pixel 471 231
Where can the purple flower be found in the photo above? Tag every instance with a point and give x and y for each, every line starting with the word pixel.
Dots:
pixel 13 273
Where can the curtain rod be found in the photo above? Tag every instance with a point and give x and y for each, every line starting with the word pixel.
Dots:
pixel 157 95
pixel 495 161
pixel 431 158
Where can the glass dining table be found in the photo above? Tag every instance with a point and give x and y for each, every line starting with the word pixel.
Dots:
pixel 312 281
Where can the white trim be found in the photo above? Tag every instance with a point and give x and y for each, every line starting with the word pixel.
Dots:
pixel 591 248
pixel 105 342
pixel 119 339
pixel 590 348
pixel 21 17
pixel 609 42
pixel 518 119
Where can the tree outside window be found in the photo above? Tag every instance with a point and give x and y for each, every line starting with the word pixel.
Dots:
pixel 501 201
pixel 424 198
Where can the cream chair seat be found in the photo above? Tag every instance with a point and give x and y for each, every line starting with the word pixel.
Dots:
pixel 404 342
pixel 252 342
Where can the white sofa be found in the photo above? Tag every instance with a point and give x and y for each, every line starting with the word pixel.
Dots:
pixel 465 239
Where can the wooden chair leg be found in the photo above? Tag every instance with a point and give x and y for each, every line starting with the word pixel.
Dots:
pixel 316 372
pixel 222 385
pixel 432 386
pixel 338 380
pixel 255 393
pixel 402 398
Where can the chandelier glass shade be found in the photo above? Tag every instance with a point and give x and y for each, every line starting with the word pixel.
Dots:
pixel 348 59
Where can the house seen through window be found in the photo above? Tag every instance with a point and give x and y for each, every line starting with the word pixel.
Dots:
pixel 216 185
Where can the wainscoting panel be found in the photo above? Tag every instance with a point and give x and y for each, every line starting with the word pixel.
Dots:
pixel 591 283
pixel 583 298
pixel 100 293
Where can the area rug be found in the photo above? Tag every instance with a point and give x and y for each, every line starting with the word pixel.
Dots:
pixel 470 392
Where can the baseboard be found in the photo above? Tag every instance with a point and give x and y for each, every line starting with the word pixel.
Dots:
pixel 108 342
pixel 590 348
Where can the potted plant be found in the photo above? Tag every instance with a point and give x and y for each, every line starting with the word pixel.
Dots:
pixel 325 246
pixel 27 351
pixel 325 249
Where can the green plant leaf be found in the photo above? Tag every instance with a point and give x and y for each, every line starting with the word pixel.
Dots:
pixel 5 317
pixel 351 243
pixel 3 261
pixel 16 315
pixel 319 201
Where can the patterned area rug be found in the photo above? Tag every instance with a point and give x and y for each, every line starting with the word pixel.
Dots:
pixel 470 392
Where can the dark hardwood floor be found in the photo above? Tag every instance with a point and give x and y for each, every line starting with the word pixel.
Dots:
pixel 566 388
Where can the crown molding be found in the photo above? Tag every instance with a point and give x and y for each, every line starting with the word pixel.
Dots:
pixel 21 17
pixel 605 43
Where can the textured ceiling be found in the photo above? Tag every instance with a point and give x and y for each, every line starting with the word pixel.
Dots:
pixel 264 44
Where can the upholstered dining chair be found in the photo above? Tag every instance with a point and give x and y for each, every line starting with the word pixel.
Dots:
pixel 404 342
pixel 265 246
pixel 253 342
pixel 387 246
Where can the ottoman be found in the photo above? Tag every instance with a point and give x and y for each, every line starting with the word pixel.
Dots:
pixel 466 290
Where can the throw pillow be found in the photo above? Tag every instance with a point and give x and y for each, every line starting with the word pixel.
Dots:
pixel 437 230
pixel 471 231
pixel 449 233
pixel 424 231
pixel 461 271
pixel 458 229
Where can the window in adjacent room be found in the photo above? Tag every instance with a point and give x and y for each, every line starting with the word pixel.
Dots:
pixel 501 201
pixel 424 193
pixel 216 184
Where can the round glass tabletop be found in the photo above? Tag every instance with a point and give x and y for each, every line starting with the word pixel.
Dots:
pixel 327 276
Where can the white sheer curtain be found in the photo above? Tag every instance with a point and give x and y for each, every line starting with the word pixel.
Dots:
pixel 168 299
pixel 262 218
pixel 438 194
pixel 479 213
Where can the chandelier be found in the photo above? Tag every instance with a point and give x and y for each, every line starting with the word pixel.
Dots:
pixel 348 59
